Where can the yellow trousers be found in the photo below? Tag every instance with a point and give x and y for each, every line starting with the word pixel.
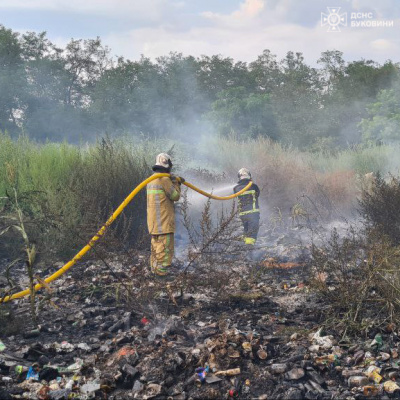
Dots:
pixel 162 252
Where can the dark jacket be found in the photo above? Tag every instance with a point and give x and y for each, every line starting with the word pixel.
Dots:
pixel 248 201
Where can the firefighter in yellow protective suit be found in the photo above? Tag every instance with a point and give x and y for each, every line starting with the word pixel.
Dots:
pixel 161 195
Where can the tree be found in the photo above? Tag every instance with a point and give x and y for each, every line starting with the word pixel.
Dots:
pixel 85 63
pixel 247 114
pixel 217 73
pixel 383 122
pixel 12 80
pixel 45 89
pixel 126 97
pixel 365 78
pixel 353 88
pixel 296 101
pixel 265 72
pixel 333 68
pixel 156 98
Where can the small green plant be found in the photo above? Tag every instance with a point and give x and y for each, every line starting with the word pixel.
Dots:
pixel 298 214
pixel 16 221
pixel 276 219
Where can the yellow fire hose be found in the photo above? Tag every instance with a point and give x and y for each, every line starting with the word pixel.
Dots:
pixel 103 229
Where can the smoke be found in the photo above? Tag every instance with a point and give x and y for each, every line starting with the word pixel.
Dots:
pixel 182 98
pixel 272 116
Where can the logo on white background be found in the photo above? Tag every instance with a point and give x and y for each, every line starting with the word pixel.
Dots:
pixel 334 20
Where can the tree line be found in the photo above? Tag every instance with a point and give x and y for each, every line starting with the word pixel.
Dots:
pixel 80 92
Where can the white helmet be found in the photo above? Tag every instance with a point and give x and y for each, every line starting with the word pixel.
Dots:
pixel 164 160
pixel 244 173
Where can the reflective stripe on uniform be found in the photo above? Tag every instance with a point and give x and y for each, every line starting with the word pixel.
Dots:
pixel 154 191
pixel 254 210
pixel 249 240
pixel 158 212
pixel 160 271
pixel 248 192
pixel 250 211
pixel 157 190
pixel 174 195
pixel 166 257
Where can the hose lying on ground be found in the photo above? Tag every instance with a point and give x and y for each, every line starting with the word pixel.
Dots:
pixel 103 229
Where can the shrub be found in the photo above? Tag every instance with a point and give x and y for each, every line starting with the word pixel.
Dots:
pixel 358 277
pixel 380 208
pixel 359 274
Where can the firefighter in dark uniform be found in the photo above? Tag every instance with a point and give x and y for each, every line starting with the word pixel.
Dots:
pixel 249 210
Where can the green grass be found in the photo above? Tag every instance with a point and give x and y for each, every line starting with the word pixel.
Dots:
pixel 232 154
pixel 80 186
pixel 383 159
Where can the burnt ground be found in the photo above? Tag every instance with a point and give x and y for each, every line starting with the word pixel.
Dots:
pixel 257 339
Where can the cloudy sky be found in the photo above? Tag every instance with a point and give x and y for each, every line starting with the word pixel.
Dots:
pixel 236 28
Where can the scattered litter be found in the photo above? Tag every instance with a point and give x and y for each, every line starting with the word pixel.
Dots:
pixel 373 372
pixel 325 342
pixel 356 381
pixel 246 346
pixel 90 387
pixel 71 369
pixel 229 372
pixel 152 390
pixel 370 391
pixel 211 378
pixel 390 386
pixel 59 394
pixel 83 346
pixel 19 369
pixel 201 374
pixel 295 374
pixel 278 368
pixel 258 350
pixel 33 373
pixel 377 342
pixel 64 347
pixel 262 354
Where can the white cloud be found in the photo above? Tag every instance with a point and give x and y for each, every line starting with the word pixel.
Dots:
pixel 378 6
pixel 130 9
pixel 383 45
pixel 257 25
pixel 247 10
pixel 278 25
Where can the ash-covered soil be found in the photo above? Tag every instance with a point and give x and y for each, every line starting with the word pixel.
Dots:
pixel 259 338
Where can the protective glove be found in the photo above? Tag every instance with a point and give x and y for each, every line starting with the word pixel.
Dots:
pixel 177 179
